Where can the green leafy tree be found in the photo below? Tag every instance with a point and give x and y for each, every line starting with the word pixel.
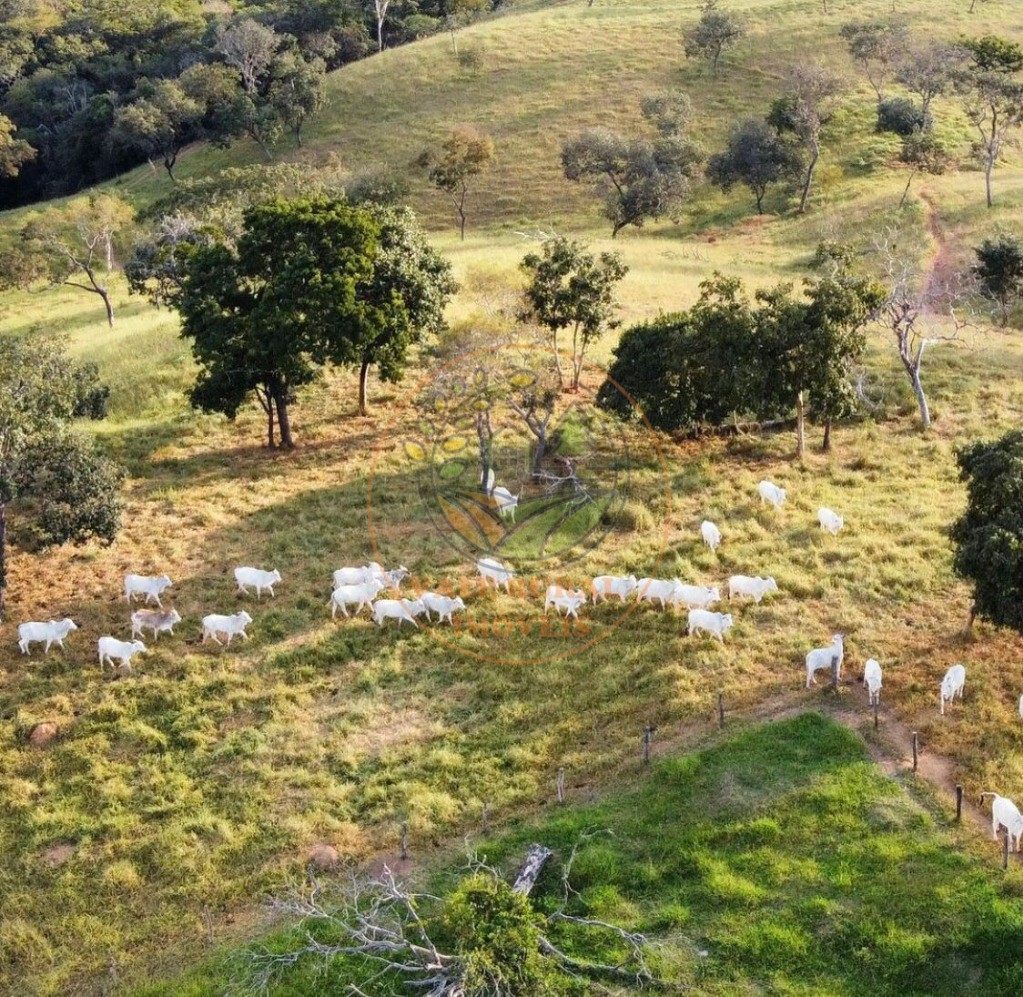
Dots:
pixel 987 538
pixel 930 70
pixel 464 156
pixel 922 152
pixel 60 488
pixel 640 178
pixel 999 270
pixel 14 152
pixel 264 314
pixel 756 156
pixel 68 244
pixel 298 90
pixel 249 47
pixel 991 90
pixel 405 295
pixel 573 290
pixel 877 48
pixel 159 124
pixel 714 32
pixel 803 111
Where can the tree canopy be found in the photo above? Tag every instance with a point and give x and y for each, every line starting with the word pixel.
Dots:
pixel 755 156
pixel 462 158
pixel 988 537
pixel 999 270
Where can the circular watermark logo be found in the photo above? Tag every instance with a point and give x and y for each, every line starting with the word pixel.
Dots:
pixel 515 460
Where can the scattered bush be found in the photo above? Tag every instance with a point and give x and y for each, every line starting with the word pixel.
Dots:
pixel 901 116
pixel 471 58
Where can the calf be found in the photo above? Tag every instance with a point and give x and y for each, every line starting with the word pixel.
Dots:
pixel 156 620
pixel 442 605
pixel 952 685
pixel 872 680
pixel 1005 813
pixel 53 632
pixel 111 649
pixel 505 501
pixel 711 534
pixel 359 595
pixel 561 598
pixel 398 609
pixel 831 522
pixel 755 588
pixel 228 626
pixel 258 578
pixel 770 492
pixel 820 658
pixel 492 570
pixel 715 624
pixel 148 585
pixel 604 585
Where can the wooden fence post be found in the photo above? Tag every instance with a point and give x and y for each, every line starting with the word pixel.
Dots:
pixel 721 709
pixel 916 749
pixel 561 785
pixel 646 744
pixel 404 840
pixel 959 802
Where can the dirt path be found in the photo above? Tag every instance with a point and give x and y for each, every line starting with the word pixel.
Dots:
pixel 941 266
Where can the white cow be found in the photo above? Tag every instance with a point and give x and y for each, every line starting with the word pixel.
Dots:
pixel 710 533
pixel 693 596
pixel 398 609
pixel 442 605
pixel 359 595
pixel 1005 813
pixel 952 685
pixel 53 632
pixel 648 589
pixel 561 598
pixel 820 658
pixel 770 492
pixel 258 578
pixel 755 588
pixel 872 679
pixel 148 585
pixel 493 570
pixel 155 619
pixel 111 649
pixel 229 626
pixel 368 573
pixel 715 624
pixel 830 521
pixel 506 502
pixel 620 585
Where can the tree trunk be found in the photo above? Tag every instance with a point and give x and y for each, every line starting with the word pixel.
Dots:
pixel 921 398
pixel 815 154
pixel 905 193
pixel 800 425
pixel 759 195
pixel 270 424
pixel 298 134
pixel 3 555
pixel 380 33
pixel 826 445
pixel 168 165
pixel 988 168
pixel 102 292
pixel 283 421
pixel 363 378
pixel 536 859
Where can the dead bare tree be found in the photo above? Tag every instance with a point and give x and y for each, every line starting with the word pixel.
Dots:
pixel 920 310
pixel 389 926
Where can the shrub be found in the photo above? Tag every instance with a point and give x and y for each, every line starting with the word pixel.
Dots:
pixel 901 116
pixel 470 58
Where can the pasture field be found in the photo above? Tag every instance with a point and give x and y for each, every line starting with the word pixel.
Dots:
pixel 779 860
pixel 200 782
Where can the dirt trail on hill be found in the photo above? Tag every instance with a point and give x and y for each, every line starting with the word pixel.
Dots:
pixel 941 266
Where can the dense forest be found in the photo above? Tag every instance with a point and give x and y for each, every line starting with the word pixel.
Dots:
pixel 89 88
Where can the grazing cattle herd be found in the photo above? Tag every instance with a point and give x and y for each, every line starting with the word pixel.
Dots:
pixel 361 586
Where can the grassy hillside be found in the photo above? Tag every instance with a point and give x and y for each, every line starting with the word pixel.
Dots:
pixel 201 781
pixel 779 861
